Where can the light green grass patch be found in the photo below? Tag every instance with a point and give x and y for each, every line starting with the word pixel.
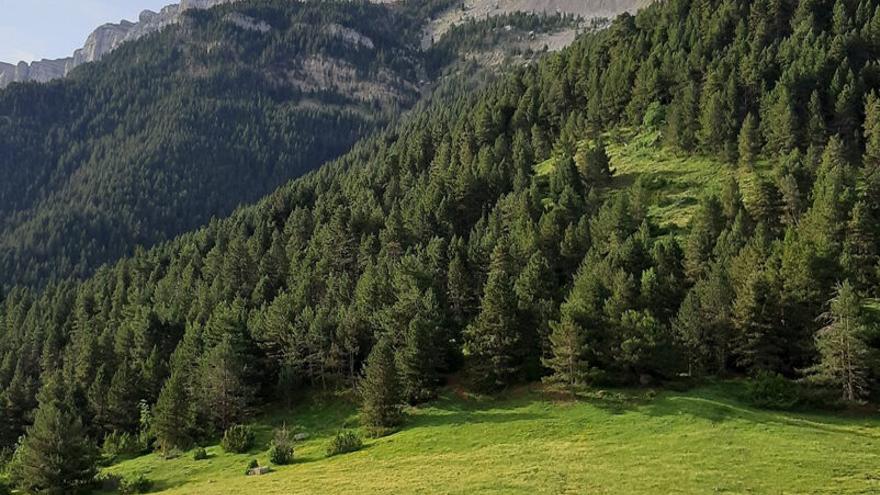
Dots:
pixel 676 182
pixel 614 443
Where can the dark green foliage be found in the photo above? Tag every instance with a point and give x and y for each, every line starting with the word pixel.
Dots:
pixel 174 415
pixel 166 133
pixel 343 443
pixel 121 444
pixel 493 341
pixel 772 391
pixel 843 361
pixel 281 447
pixel 380 391
pixel 252 464
pixel 135 485
pixel 437 245
pixel 200 454
pixel 56 456
pixel 238 439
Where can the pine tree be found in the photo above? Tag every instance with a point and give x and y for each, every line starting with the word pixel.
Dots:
pixel 123 398
pixel 56 456
pixel 569 368
pixel 380 390
pixel 420 357
pixel 492 341
pixel 594 165
pixel 174 416
pixel 225 397
pixel 748 142
pixel 842 350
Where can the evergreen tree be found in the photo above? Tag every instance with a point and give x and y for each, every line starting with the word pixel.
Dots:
pixel 174 417
pixel 842 349
pixel 492 341
pixel 420 357
pixel 567 363
pixel 56 455
pixel 225 397
pixel 380 390
pixel 748 142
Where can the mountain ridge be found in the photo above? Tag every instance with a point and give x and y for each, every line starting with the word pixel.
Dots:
pixel 103 40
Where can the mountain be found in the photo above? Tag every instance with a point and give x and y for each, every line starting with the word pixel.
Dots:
pixel 108 37
pixel 159 136
pixel 100 42
pixel 689 195
pixel 165 133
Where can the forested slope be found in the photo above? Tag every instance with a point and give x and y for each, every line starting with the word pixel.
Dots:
pixel 189 123
pixel 435 247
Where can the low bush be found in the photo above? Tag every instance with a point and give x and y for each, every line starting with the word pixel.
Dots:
pixel 238 439
pixel 135 485
pixel 772 391
pixel 252 464
pixel 343 442
pixel 120 444
pixel 200 454
pixel 281 448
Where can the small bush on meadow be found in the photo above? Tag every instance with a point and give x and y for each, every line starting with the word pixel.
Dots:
pixel 238 439
pixel 252 464
pixel 281 448
pixel 772 391
pixel 200 454
pixel 344 442
pixel 135 485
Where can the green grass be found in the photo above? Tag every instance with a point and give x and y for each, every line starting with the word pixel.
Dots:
pixel 675 181
pixel 616 443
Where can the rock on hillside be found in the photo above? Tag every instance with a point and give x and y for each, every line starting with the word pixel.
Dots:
pixel 480 9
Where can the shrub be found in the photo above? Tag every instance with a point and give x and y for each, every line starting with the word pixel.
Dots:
pixel 238 439
pixel 281 448
pixel 4 489
pixel 343 442
pixel 772 391
pixel 200 454
pixel 137 484
pixel 117 444
pixel 252 464
pixel 108 482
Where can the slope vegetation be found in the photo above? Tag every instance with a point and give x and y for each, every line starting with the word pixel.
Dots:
pixel 616 442
pixel 187 124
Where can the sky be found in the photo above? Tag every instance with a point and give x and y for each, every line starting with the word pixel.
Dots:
pixel 36 29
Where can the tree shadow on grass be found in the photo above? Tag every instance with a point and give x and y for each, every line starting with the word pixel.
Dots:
pixel 707 406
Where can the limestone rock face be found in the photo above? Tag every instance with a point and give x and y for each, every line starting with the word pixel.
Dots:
pixel 102 41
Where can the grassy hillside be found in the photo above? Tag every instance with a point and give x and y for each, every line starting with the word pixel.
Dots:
pixel 527 442
pixel 702 441
pixel 675 181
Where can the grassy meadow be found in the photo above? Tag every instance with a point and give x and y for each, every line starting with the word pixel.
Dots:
pixel 697 442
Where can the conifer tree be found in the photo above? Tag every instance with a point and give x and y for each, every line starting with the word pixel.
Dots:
pixel 841 345
pixel 748 142
pixel 567 363
pixel 380 391
pixel 419 358
pixel 56 456
pixel 123 398
pixel 491 342
pixel 174 416
pixel 225 396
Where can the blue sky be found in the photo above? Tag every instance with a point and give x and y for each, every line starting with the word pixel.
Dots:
pixel 36 29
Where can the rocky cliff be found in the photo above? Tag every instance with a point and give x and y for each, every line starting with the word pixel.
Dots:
pixel 102 41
